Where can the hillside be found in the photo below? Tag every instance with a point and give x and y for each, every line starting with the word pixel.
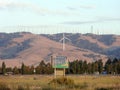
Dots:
pixel 103 44
pixel 29 48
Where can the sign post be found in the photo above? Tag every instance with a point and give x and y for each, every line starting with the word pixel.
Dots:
pixel 59 63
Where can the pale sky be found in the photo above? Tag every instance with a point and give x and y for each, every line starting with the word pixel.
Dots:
pixel 55 16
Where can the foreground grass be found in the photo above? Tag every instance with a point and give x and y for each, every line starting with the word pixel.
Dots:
pixel 42 82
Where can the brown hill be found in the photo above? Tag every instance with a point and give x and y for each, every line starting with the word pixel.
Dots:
pixel 34 48
pixel 108 45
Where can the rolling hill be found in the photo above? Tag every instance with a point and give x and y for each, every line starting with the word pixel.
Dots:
pixel 103 44
pixel 29 48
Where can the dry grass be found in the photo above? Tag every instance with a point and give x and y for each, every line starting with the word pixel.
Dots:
pixel 94 82
pixel 40 82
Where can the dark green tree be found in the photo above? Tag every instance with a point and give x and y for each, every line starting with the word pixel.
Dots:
pixel 0 70
pixel 78 67
pixel 89 68
pixel 37 69
pixel 27 70
pixel 32 70
pixel 114 65
pixel 100 66
pixel 8 69
pixel 81 67
pixel 115 60
pixel 92 67
pixel 3 68
pixel 49 69
pixel 109 66
pixel 42 67
pixel 23 69
pixel 118 67
pixel 15 70
pixel 96 66
pixel 85 67
pixel 74 67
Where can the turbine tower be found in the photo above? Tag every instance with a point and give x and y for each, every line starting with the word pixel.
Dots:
pixel 91 29
pixel 63 39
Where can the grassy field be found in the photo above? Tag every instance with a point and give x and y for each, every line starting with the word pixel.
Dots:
pixel 42 82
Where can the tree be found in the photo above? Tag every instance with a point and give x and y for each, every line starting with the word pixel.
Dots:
pixel 89 68
pixel 32 70
pixel 15 70
pixel 27 70
pixel 93 67
pixel 109 61
pixel 118 67
pixel 85 67
pixel 3 68
pixel 37 70
pixel 109 66
pixel 8 69
pixel 49 69
pixel 0 70
pixel 73 67
pixel 42 67
pixel 23 69
pixel 115 60
pixel 78 67
pixel 81 67
pixel 114 63
pixel 100 66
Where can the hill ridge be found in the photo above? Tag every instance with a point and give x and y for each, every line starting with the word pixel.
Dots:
pixel 32 48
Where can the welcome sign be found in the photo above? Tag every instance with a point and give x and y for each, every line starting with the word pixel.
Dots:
pixel 60 62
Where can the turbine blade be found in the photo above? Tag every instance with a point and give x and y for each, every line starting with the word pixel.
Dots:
pixel 67 38
pixel 61 39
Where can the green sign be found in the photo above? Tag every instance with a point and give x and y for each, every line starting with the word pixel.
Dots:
pixel 60 62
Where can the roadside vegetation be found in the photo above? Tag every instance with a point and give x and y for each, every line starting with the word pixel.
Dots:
pixel 48 82
pixel 112 66
pixel 80 76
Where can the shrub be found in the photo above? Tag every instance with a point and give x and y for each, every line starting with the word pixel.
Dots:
pixel 63 81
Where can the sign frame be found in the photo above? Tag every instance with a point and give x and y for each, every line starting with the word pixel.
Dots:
pixel 60 62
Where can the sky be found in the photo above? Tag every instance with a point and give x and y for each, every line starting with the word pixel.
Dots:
pixel 55 16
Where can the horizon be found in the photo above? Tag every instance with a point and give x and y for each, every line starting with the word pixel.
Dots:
pixel 54 29
pixel 55 33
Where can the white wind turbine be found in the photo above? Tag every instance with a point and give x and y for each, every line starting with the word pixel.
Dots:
pixel 63 39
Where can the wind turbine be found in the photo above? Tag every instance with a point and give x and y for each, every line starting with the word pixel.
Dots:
pixel 91 29
pixel 63 39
